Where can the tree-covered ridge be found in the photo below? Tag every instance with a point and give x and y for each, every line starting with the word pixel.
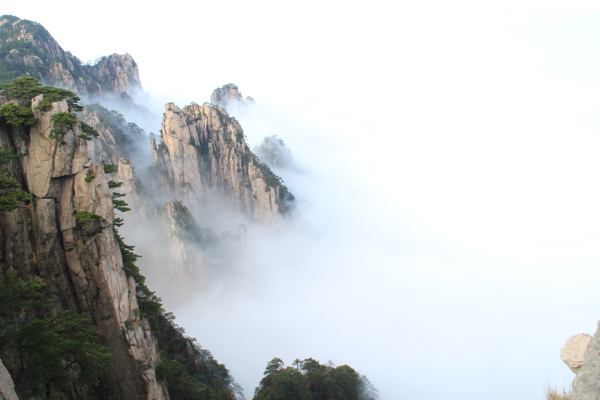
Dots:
pixel 25 49
pixel 310 380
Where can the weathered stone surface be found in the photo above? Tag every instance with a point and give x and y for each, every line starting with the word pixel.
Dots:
pixel 586 385
pixel 204 160
pixel 7 387
pixel 572 353
pixel 80 264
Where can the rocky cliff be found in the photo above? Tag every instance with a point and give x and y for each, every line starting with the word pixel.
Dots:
pixel 26 48
pixel 204 160
pixel 80 262
pixel 229 95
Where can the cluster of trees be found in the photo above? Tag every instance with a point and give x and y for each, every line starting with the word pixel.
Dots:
pixel 44 354
pixel 310 380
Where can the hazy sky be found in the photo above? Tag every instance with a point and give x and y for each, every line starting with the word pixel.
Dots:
pixel 448 239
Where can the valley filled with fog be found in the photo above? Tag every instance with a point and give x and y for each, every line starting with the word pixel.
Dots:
pixel 444 238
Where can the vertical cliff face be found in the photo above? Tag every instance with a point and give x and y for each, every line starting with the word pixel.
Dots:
pixel 204 159
pixel 26 48
pixel 80 263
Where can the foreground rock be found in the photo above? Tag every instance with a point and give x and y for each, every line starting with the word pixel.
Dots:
pixel 572 353
pixel 586 385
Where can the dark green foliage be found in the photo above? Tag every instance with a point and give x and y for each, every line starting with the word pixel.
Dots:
pixel 11 199
pixel 89 175
pixel 121 205
pixel 88 130
pixel 113 184
pixel 86 218
pixel 190 376
pixel 10 194
pixel 109 168
pixel 26 88
pixel 16 115
pixel 59 348
pixel 310 380
pixel 61 120
pixel 64 118
pixel 52 352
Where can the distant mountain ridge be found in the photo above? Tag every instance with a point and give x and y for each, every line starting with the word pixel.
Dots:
pixel 26 48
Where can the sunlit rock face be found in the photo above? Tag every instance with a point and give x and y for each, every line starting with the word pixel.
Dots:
pixel 229 95
pixel 204 160
pixel 115 76
pixel 80 264
pixel 573 351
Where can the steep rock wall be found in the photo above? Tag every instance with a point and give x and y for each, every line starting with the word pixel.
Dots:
pixel 203 159
pixel 80 264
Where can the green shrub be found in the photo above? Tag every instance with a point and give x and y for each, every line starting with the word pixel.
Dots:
pixel 16 115
pixel 86 218
pixel 109 168
pixel 13 196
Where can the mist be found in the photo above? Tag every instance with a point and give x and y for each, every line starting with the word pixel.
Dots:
pixel 445 240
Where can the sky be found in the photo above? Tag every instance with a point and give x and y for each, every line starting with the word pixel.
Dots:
pixel 447 237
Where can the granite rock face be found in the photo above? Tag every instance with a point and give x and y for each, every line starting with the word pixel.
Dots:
pixel 204 160
pixel 80 264
pixel 573 351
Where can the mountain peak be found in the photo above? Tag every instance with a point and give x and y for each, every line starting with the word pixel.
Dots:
pixel 27 48
pixel 229 95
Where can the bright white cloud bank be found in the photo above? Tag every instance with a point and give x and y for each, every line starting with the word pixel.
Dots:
pixel 447 239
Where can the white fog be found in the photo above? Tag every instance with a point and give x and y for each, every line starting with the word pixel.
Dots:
pixel 445 240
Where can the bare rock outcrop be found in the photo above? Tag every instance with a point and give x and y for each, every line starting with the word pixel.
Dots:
pixel 204 160
pixel 7 386
pixel 586 385
pixel 229 95
pixel 573 351
pixel 80 263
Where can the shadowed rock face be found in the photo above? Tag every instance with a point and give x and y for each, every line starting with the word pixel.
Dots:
pixel 80 264
pixel 32 51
